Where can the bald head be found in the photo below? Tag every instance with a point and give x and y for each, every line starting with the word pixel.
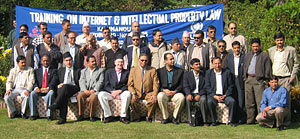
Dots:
pixel 135 26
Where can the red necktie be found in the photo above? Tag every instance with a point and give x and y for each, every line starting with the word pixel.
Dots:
pixel 44 82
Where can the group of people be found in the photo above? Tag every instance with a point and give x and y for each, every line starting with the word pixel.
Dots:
pixel 208 72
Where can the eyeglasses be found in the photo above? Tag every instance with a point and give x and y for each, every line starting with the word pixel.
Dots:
pixel 212 32
pixel 197 38
pixel 232 28
pixel 144 60
pixel 221 46
pixel 135 39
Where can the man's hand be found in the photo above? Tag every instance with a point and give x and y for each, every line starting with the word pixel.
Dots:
pixel 26 93
pixel 167 91
pixel 116 94
pixel 7 92
pixel 154 98
pixel 264 114
pixel 190 97
pixel 45 90
pixel 61 85
pixel 133 98
pixel 291 80
pixel 172 93
pixel 87 92
pixel 38 90
pixel 218 98
pixel 267 108
pixel 197 98
pixel 92 91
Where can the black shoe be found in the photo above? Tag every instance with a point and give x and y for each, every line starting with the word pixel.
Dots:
pixel 33 117
pixel 124 120
pixel 165 121
pixel 80 118
pixel 232 124
pixel 175 121
pixel 49 118
pixel 13 115
pixel 262 125
pixel 53 107
pixel 92 119
pixel 148 119
pixel 108 119
pixel 241 122
pixel 206 124
pixel 214 124
pixel 24 116
pixel 280 128
pixel 60 122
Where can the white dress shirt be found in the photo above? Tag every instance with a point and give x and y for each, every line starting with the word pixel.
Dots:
pixel 66 75
pixel 219 90
pixel 104 45
pixel 197 82
pixel 236 60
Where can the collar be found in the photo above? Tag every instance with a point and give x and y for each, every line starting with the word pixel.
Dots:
pixel 21 45
pixel 258 52
pixel 169 70
pixel 232 36
pixel 196 75
pixel 93 69
pixel 117 70
pixel 202 45
pixel 236 56
pixel 141 34
pixel 218 73
pixel 73 46
pixel 284 46
pixel 115 50
pixel 69 68
pixel 173 52
pixel 46 44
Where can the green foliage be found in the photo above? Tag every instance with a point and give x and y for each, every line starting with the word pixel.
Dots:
pixel 3 42
pixel 6 64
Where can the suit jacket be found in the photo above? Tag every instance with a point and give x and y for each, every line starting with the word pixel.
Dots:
pixel 76 75
pixel 128 40
pixel 263 67
pixel 229 64
pixel 52 78
pixel 54 53
pixel 182 59
pixel 223 57
pixel 290 58
pixel 78 56
pixel 211 84
pixel 96 81
pixel 59 39
pixel 129 50
pixel 177 79
pixel 135 82
pixel 111 80
pixel 28 78
pixel 189 83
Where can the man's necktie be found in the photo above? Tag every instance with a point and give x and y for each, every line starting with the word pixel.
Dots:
pixel 143 81
pixel 69 78
pixel 44 82
pixel 135 57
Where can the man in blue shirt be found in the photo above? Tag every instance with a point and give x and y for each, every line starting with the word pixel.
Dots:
pixel 274 106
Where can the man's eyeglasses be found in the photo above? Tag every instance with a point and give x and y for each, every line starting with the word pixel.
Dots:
pixel 221 46
pixel 135 39
pixel 197 38
pixel 144 60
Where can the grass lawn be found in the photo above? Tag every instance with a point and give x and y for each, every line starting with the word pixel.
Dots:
pixel 41 128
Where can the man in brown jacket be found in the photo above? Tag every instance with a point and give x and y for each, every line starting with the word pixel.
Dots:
pixel 60 39
pixel 143 84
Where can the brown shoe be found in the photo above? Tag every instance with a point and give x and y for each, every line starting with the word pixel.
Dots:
pixel 108 119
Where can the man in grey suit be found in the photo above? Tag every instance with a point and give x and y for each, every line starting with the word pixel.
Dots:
pixel 74 50
pixel 60 39
pixel 91 83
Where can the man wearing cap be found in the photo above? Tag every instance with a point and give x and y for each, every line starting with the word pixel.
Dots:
pixel 186 38
pixel 81 39
pixel 68 86
pixel 135 29
pixel 179 55
pixel 115 87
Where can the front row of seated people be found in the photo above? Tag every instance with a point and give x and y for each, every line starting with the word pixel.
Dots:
pixel 141 83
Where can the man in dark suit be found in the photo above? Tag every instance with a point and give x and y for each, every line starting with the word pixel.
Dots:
pixel 222 52
pixel 193 86
pixel 74 50
pixel 112 53
pixel 115 87
pixel 68 86
pixel 45 85
pixel 219 86
pixel 235 62
pixel 170 81
pixel 50 49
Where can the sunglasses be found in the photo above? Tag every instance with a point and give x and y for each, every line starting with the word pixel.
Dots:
pixel 197 38
pixel 144 60
pixel 135 39
pixel 221 46
pixel 212 32
pixel 232 28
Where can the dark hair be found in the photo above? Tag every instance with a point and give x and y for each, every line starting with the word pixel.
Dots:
pixel 114 38
pixel 143 54
pixel 166 54
pixel 135 34
pixel 22 34
pixel 155 31
pixel 222 42
pixel 194 60
pixel 278 35
pixel 200 32
pixel 70 33
pixel 273 77
pixel 216 58
pixel 236 43
pixel 19 58
pixel 65 21
pixel 211 27
pixel 46 33
pixel 231 23
pixel 89 57
pixel 24 25
pixel 255 40
pixel 42 23
pixel 46 55
pixel 105 28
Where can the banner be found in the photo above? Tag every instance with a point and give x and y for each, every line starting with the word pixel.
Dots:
pixel 172 23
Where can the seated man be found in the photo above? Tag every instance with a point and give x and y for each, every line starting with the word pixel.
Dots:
pixel 193 85
pixel 143 85
pixel 274 106
pixel 115 87
pixel 90 83
pixel 219 86
pixel 68 86
pixel 45 85
pixel 170 81
pixel 19 83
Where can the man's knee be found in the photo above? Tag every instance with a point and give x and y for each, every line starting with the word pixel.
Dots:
pixel 161 96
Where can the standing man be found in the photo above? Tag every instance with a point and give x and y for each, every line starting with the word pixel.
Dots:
pixel 115 87
pixel 39 39
pixel 50 49
pixel 179 55
pixel 81 39
pixel 135 29
pixel 257 70
pixel 171 88
pixel 234 36
pixel 12 35
pixel 186 41
pixel 74 50
pixel 219 86
pixel 115 51
pixel 91 83
pixel 274 106
pixel 211 36
pixel 200 50
pixel 193 85
pixel 157 48
pixel 19 83
pixel 143 84
pixel 60 39
pixel 235 63
pixel 23 28
pixel 68 86
pixel 285 65
pixel 45 85
pixel 222 52
pixel 105 43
